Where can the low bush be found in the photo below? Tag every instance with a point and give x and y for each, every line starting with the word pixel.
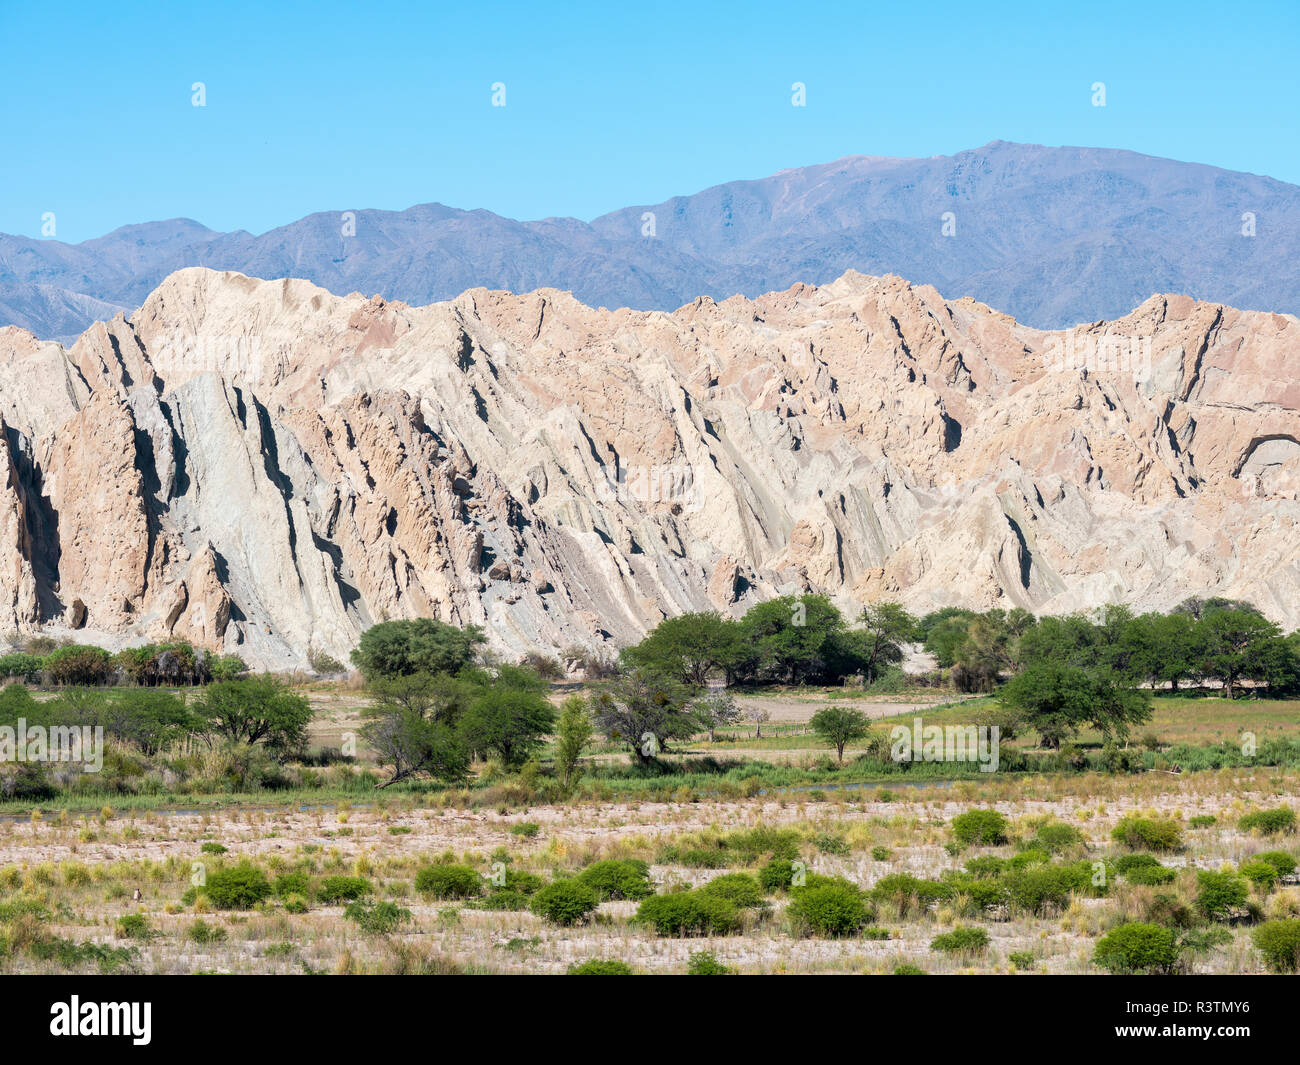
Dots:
pixel 600 968
pixel 1152 833
pixel 449 882
pixel 703 963
pixel 618 878
pixel 380 918
pixel 1137 948
pixel 835 910
pixel 986 828
pixel 1269 822
pixel 133 926
pixel 335 889
pixel 240 887
pixel 741 889
pixel 1279 942
pixel 1151 875
pixel 1055 837
pixel 203 934
pixel 1220 895
pixel 565 902
pixel 689 913
pixel 777 875
pixel 961 941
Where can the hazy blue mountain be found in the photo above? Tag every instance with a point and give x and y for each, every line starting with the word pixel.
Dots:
pixel 1053 236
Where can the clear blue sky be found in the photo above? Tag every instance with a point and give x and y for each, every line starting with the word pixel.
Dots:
pixel 333 107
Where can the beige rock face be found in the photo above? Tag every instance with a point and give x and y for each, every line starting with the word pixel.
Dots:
pixel 265 467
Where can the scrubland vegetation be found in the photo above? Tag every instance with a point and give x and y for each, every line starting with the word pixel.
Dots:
pixel 723 799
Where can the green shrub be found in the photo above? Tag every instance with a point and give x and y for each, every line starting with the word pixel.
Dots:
pixel 961 941
pixel 1137 948
pixel 565 902
pixel 212 848
pixel 829 843
pixel 1220 894
pixel 295 903
pixel 502 901
pixel 618 878
pixel 835 910
pixel 703 963
pixel 1039 888
pixel 1055 837
pixel 1171 911
pixel 601 968
pixel 1282 861
pixel 1279 942
pixel 381 918
pixel 1021 960
pixel 287 884
pixel 202 933
pixel 240 887
pixel 695 857
pixel 1157 834
pixel 688 913
pixel 1203 821
pixel 906 892
pixel 908 970
pixel 986 828
pixel 335 889
pixel 1262 874
pixel 1126 863
pixel 133 926
pixel 741 889
pixel 777 875
pixel 449 882
pixel 525 829
pixel 1269 822
pixel 1151 875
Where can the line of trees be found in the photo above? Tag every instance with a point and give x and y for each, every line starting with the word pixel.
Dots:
pixel 789 640
pixel 1220 642
pixel 41 659
pixel 253 710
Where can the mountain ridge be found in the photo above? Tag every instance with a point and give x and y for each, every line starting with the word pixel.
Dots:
pixel 1054 236
pixel 267 468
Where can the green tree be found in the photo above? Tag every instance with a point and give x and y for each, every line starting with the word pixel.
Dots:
pixel 422 645
pixel 1059 699
pixel 148 718
pixel 508 722
pixel 839 726
pixel 260 709
pixel 688 647
pixel 887 626
pixel 572 734
pixel 81 665
pixel 1238 644
pixel 787 637
pixel 413 725
pixel 646 711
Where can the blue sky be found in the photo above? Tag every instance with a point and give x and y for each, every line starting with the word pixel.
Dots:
pixel 335 107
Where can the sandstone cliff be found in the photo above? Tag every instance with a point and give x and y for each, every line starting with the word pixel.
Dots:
pixel 264 467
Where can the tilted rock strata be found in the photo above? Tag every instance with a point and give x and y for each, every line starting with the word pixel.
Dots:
pixel 266 468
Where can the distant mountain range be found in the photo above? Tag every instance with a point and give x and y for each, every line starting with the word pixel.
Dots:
pixel 1053 236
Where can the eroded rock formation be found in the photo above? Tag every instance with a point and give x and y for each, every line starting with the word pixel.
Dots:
pixel 268 468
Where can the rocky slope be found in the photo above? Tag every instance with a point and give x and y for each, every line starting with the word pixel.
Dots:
pixel 264 467
pixel 1051 235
